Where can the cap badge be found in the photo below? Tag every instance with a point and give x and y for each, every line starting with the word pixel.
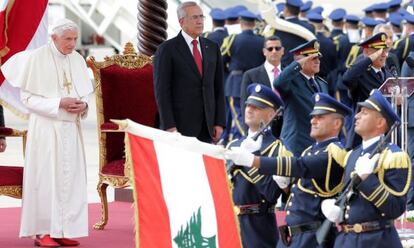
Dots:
pixel 317 98
pixel 316 45
pixel 258 88
pixel 383 37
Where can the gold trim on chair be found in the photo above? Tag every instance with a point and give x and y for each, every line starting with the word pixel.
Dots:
pixel 129 60
pixel 12 191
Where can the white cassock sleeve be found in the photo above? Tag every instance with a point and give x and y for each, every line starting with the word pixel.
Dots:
pixel 48 107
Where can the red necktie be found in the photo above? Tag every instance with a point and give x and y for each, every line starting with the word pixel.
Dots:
pixel 276 72
pixel 197 56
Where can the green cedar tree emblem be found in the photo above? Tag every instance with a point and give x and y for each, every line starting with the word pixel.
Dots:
pixel 191 237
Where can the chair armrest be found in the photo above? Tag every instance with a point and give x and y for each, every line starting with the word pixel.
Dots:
pixel 11 132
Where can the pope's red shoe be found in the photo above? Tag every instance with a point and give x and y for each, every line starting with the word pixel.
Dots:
pixel 66 242
pixel 45 241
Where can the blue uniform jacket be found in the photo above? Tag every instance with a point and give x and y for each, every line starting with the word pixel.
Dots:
pixel 320 170
pixel 297 93
pixel 217 36
pixel 241 53
pixel 382 197
pixel 251 187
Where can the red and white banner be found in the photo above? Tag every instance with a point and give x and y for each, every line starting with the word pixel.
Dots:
pixel 182 196
pixel 23 26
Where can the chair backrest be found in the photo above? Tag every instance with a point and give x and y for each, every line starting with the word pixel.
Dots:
pixel 124 89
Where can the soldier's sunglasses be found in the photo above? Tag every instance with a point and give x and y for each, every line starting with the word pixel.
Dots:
pixel 270 49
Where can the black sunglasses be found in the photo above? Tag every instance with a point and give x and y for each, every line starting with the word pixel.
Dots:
pixel 277 48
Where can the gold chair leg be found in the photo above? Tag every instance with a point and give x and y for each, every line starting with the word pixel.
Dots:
pixel 104 206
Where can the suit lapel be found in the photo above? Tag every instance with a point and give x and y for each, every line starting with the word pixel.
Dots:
pixel 205 54
pixel 265 77
pixel 186 53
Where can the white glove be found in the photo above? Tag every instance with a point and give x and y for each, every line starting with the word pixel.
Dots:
pixel 239 156
pixel 330 210
pixel 282 182
pixel 250 145
pixel 364 165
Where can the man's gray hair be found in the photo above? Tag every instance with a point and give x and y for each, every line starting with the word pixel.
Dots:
pixel 181 12
pixel 381 26
pixel 63 25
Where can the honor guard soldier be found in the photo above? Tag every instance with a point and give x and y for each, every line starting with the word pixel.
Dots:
pixel 337 21
pixel 304 10
pixel 219 31
pixel 369 25
pixel 255 195
pixel 327 48
pixel 296 84
pixel 405 45
pixel 395 21
pixel 240 53
pixel 368 72
pixel 394 6
pixel 380 196
pixel 320 169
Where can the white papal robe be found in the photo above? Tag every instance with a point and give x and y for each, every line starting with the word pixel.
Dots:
pixel 54 184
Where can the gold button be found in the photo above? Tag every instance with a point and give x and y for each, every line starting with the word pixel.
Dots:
pixel 382 214
pixel 348 207
pixel 357 228
pixel 293 185
pixel 236 210
pixel 287 212
pixel 263 201
pixel 290 204
pixel 346 216
pixel 292 194
pixel 316 196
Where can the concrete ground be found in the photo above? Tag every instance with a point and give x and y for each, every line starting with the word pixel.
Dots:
pixel 13 153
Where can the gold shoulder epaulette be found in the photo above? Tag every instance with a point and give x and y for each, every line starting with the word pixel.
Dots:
pixel 338 153
pixel 227 42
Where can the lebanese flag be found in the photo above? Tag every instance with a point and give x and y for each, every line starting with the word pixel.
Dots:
pixel 23 26
pixel 182 196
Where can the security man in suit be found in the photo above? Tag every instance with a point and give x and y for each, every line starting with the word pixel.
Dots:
pixel 368 72
pixel 265 74
pixel 327 48
pixel 320 169
pixel 254 194
pixel 405 45
pixel 290 40
pixel 368 218
pixel 296 84
pixel 240 53
pixel 219 31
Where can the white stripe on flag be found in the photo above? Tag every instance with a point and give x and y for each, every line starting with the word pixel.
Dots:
pixel 186 188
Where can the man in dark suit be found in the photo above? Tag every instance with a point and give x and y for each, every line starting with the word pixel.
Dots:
pixel 188 80
pixel 368 73
pixel 296 84
pixel 267 72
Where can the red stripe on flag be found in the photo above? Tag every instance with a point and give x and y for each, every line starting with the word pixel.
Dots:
pixel 153 218
pixel 228 235
pixel 22 22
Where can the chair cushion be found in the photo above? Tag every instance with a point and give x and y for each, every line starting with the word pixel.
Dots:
pixel 11 176
pixel 109 126
pixel 126 93
pixel 115 168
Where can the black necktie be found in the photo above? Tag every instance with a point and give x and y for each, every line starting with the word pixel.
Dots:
pixel 314 85
pixel 380 76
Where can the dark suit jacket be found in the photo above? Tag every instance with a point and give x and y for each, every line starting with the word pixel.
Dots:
pixel 186 99
pixel 297 93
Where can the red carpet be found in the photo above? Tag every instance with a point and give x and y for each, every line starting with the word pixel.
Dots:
pixel 118 233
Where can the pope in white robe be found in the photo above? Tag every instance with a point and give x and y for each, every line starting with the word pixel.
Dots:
pixel 54 86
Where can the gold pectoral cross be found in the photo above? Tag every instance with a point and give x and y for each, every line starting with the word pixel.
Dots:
pixel 66 83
